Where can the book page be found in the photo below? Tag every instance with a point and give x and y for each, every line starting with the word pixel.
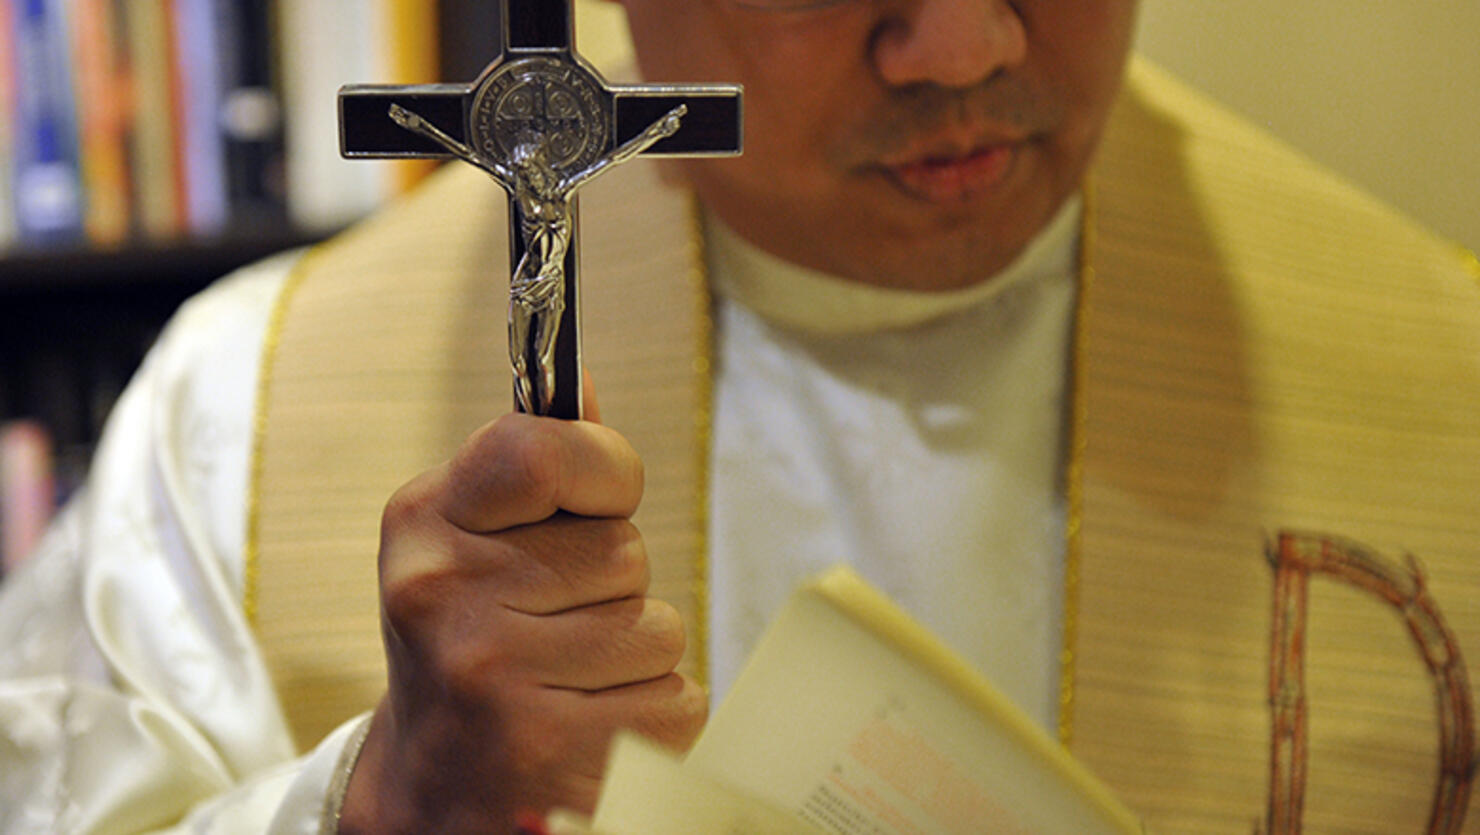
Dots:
pixel 853 717
pixel 647 790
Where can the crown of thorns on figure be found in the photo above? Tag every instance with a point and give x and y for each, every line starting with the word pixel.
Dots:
pixel 530 149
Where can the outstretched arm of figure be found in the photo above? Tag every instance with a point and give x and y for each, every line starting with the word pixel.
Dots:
pixel 661 129
pixel 416 124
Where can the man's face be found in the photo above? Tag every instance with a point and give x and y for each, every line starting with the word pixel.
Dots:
pixel 903 143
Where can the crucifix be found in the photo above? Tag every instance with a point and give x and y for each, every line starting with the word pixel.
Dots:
pixel 542 122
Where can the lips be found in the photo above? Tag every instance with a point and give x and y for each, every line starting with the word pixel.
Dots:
pixel 953 176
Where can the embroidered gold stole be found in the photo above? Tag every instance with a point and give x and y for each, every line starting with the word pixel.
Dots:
pixel 1260 350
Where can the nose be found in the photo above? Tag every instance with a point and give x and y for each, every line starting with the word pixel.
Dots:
pixel 954 43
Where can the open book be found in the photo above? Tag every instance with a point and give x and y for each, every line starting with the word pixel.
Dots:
pixel 852 718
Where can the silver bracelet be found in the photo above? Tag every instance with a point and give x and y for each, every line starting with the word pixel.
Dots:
pixel 339 786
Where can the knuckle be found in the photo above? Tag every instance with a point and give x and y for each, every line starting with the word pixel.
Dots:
pixel 694 702
pixel 637 473
pixel 677 716
pixel 590 559
pixel 416 569
pixel 625 554
pixel 411 599
pixel 665 631
pixel 515 454
pixel 532 461
pixel 691 711
pixel 406 507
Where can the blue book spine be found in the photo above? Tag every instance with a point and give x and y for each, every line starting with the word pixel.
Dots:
pixel 47 176
pixel 7 125
pixel 197 62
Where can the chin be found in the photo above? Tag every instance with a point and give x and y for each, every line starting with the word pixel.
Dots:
pixel 946 258
pixel 942 247
pixel 930 265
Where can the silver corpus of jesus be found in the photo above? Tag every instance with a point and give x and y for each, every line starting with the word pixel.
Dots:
pixel 541 128
pixel 543 123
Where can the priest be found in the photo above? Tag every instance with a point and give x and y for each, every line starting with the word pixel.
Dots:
pixel 1171 432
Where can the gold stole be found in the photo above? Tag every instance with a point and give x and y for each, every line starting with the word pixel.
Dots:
pixel 1260 349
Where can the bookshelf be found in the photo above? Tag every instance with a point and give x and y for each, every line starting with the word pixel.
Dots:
pixel 76 317
pixel 74 323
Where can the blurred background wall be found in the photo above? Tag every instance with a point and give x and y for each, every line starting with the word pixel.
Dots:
pixel 1385 91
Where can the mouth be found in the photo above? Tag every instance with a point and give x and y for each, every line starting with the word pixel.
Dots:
pixel 953 177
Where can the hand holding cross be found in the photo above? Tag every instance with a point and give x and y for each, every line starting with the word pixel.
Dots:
pixel 518 630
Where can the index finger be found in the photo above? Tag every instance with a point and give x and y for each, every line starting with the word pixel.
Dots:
pixel 522 469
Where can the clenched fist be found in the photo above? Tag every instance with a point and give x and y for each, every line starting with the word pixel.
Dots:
pixel 517 632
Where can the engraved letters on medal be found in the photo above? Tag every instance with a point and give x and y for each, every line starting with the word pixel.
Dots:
pixel 542 97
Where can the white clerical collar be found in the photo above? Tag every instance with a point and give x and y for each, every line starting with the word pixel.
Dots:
pixel 806 300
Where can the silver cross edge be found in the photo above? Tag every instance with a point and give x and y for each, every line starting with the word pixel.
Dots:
pixel 543 123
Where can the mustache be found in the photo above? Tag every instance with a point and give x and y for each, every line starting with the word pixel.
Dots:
pixel 926 113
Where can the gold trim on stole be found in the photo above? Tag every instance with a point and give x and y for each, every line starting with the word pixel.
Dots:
pixel 703 367
pixel 1471 261
pixel 1074 462
pixel 1073 466
pixel 252 553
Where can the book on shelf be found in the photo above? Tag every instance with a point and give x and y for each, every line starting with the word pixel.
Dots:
pixel 325 46
pixel 161 119
pixel 251 111
pixel 8 230
pixel 200 89
pixel 45 176
pixel 156 205
pixel 850 717
pixel 102 93
pixel 27 490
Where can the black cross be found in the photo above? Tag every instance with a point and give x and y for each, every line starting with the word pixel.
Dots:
pixel 538 90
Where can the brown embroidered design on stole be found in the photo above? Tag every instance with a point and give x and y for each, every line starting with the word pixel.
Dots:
pixel 1295 556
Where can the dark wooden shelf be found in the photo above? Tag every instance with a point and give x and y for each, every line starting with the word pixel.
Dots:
pixel 74 323
pixel 139 267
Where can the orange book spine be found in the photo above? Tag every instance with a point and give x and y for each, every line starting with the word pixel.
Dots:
pixel 101 93
pixel 179 182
